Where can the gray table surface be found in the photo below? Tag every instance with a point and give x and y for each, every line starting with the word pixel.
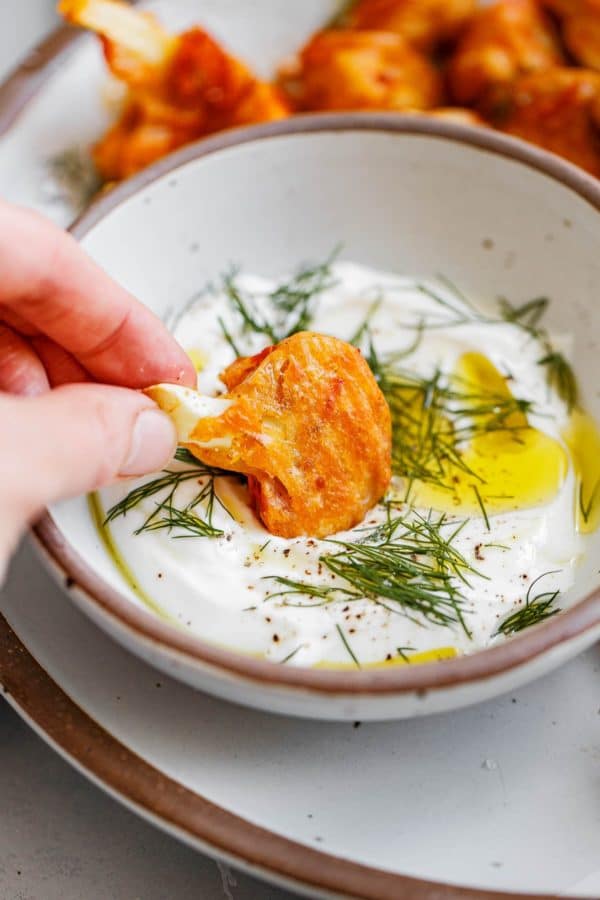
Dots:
pixel 61 838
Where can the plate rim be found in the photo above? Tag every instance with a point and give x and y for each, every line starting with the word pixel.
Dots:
pixel 481 665
pixel 129 778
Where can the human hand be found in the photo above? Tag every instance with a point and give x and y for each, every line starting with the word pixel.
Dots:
pixel 64 327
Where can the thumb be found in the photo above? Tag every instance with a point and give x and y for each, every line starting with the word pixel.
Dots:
pixel 70 441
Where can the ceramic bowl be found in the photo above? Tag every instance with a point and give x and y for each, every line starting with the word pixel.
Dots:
pixel 410 195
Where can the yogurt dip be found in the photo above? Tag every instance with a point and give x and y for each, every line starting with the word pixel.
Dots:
pixel 520 531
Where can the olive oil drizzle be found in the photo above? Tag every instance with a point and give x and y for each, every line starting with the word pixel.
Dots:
pixel 99 518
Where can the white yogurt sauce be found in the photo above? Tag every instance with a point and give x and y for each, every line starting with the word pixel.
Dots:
pixel 216 587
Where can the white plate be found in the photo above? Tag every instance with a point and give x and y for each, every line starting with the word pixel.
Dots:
pixel 502 796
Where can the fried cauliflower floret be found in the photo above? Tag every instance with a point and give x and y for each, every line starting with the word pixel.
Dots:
pixel 580 25
pixel 559 110
pixel 425 24
pixel 307 423
pixel 343 70
pixel 503 41
pixel 180 87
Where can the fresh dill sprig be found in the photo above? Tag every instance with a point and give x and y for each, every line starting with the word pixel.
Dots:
pixel 585 507
pixel 560 376
pixel 364 329
pixel 559 373
pixel 408 560
pixel 527 316
pixel 171 517
pixel 291 655
pixel 346 644
pixel 227 335
pixel 242 305
pixel 535 610
pixel 290 306
pixel 166 514
pixel 481 505
pixel 433 417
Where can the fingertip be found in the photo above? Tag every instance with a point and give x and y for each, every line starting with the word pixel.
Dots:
pixel 188 376
pixel 153 443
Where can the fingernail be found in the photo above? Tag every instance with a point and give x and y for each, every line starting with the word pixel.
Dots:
pixel 152 445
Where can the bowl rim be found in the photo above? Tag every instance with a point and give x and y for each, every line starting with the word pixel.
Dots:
pixel 95 595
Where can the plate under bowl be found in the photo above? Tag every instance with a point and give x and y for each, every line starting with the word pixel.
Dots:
pixel 405 194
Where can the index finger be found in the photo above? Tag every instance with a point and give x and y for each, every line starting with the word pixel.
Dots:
pixel 52 285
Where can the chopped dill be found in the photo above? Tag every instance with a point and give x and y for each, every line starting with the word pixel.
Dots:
pixel 535 610
pixel 170 517
pixel 560 376
pixel 585 508
pixel 481 506
pixel 324 592
pixel 402 653
pixel 407 561
pixel 290 306
pixel 364 329
pixel 167 515
pixel 229 338
pixel 287 658
pixel 527 316
pixel 432 417
pixel 559 373
pixel 344 640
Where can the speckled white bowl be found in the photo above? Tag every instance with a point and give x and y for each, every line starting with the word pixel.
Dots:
pixel 407 194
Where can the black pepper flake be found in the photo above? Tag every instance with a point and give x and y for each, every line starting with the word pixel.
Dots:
pixel 478 553
pixel 356 724
pixel 286 552
pixel 275 638
pixel 267 618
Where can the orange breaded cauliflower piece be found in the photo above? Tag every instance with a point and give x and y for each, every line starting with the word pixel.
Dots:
pixel 559 110
pixel 180 87
pixel 343 70
pixel 580 25
pixel 503 41
pixel 425 24
pixel 310 428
